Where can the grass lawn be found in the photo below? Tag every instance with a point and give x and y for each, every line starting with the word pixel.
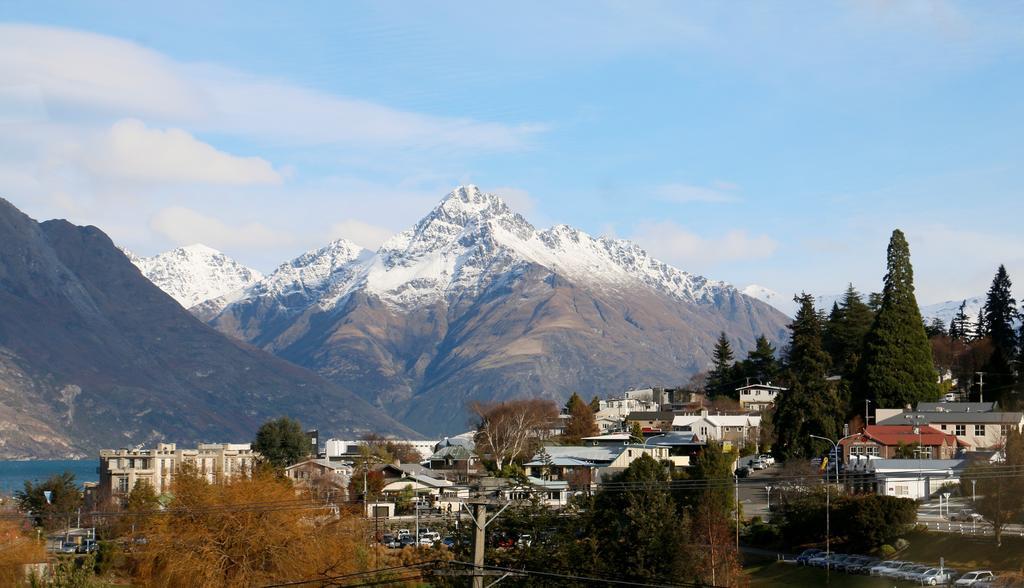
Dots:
pixel 790 575
pixel 961 553
pixel 965 553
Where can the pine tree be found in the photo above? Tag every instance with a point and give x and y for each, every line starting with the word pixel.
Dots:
pixel 595 404
pixel 761 362
pixel 896 368
pixel 960 325
pixel 845 330
pixel 581 421
pixel 1000 312
pixel 720 380
pixel 810 405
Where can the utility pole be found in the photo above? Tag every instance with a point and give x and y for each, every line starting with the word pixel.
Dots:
pixel 867 411
pixel 736 482
pixel 479 516
pixel 478 543
pixel 981 386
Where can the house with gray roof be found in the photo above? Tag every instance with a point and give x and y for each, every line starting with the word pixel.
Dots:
pixel 979 425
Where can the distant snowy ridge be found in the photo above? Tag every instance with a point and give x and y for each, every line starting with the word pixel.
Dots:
pixel 943 311
pixel 195 274
pixel 469 238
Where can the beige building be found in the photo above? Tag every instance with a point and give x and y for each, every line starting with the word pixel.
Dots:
pixel 121 469
pixel 758 397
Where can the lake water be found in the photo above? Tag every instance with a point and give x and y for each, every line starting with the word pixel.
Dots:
pixel 14 473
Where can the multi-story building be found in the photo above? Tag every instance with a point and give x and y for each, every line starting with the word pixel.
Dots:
pixel 978 425
pixel 732 429
pixel 758 397
pixel 121 469
pixel 901 441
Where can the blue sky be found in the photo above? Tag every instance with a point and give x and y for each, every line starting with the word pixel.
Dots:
pixel 778 144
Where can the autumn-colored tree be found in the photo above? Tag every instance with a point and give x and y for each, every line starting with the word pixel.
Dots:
pixel 246 532
pixel 718 563
pixel 389 450
pixel 581 422
pixel 509 430
pixel 17 549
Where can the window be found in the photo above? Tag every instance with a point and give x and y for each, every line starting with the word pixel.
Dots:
pixel 960 430
pixel 122 484
pixel 979 430
pixel 943 427
pixel 872 450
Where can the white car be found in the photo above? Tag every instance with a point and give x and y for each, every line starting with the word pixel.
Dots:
pixel 885 566
pixel 936 576
pixel 897 572
pixel 767 458
pixel 758 464
pixel 975 577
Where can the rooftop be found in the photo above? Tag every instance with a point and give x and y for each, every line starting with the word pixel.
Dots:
pixel 956 417
pixel 956 406
pixel 902 433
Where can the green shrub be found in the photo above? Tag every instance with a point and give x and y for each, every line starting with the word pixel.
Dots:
pixel 886 551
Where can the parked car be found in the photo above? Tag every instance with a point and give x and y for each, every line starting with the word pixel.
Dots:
pixel 885 566
pixel 850 563
pixel 429 538
pixel 863 567
pixel 389 540
pixel 742 472
pixel 975 578
pixel 768 459
pixel 949 397
pixel 966 515
pixel 758 464
pixel 406 541
pixel 807 554
pixel 936 576
pixel 403 533
pixel 910 573
pixel 448 542
pixel 895 571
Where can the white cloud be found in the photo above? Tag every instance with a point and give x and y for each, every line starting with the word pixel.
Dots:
pixel 87 75
pixel 184 226
pixel 132 151
pixel 718 192
pixel 95 73
pixel 361 233
pixel 687 250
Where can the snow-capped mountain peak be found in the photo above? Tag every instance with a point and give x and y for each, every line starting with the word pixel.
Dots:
pixel 195 273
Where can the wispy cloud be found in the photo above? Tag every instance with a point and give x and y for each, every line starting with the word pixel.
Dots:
pixel 85 76
pixel 184 226
pixel 691 251
pixel 718 192
pixel 132 151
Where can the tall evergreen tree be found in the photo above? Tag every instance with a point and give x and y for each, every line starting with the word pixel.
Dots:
pixel 581 422
pixel 810 405
pixel 960 325
pixel 845 330
pixel 1000 312
pixel 896 368
pixel 761 362
pixel 720 380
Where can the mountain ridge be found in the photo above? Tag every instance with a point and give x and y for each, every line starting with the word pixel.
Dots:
pixel 94 355
pixel 472 302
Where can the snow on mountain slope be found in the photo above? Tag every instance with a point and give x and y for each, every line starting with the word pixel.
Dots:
pixel 944 311
pixel 471 236
pixel 769 296
pixel 195 273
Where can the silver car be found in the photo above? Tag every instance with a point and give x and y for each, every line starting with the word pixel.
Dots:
pixel 975 578
pixel 885 566
pixel 936 576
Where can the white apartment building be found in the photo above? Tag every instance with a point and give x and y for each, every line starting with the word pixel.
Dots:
pixel 121 469
pixel 340 447
pixel 758 397
pixel 979 425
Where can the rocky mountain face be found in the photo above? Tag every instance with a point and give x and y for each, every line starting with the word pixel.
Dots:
pixel 474 303
pixel 93 355
pixel 196 274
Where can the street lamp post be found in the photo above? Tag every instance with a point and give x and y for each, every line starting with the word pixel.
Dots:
pixel 768 489
pixel 835 445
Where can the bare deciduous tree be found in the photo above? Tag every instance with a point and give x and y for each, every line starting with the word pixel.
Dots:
pixel 507 430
